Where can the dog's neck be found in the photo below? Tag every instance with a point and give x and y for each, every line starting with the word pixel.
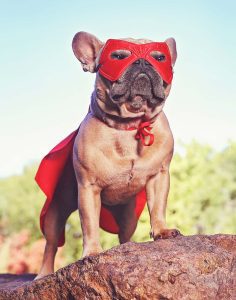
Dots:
pixel 116 121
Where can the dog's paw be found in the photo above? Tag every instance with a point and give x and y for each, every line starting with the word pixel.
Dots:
pixel 90 251
pixel 165 234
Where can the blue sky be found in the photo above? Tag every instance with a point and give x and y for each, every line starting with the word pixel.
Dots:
pixel 44 93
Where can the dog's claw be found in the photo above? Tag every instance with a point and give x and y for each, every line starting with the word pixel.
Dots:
pixel 158 237
pixel 176 232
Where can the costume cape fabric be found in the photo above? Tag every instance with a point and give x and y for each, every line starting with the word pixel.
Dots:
pixel 48 175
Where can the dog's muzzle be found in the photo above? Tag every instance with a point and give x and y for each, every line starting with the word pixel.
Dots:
pixel 139 86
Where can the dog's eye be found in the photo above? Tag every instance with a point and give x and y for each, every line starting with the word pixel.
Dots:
pixel 158 56
pixel 120 54
pixel 161 57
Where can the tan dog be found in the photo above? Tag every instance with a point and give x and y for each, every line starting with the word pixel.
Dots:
pixel 110 164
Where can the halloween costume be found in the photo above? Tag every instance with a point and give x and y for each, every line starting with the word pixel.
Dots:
pixel 52 166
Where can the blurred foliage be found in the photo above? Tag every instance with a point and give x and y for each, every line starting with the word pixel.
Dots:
pixel 20 203
pixel 203 190
pixel 202 200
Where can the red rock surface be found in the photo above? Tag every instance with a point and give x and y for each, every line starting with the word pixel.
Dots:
pixel 194 267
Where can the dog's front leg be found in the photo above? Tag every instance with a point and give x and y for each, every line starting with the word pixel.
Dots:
pixel 89 205
pixel 157 190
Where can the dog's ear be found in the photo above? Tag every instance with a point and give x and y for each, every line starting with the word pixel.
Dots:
pixel 172 47
pixel 86 47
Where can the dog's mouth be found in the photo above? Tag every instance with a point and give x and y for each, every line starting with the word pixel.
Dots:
pixel 136 92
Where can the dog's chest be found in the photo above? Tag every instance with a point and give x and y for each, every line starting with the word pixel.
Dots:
pixel 124 146
pixel 122 175
pixel 113 160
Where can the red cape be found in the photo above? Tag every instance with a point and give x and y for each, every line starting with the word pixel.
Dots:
pixel 47 177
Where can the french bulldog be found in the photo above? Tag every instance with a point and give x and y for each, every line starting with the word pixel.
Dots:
pixel 123 147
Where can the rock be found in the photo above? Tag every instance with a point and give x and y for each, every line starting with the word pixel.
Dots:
pixel 191 267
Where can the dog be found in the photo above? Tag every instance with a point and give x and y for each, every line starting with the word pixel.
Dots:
pixel 119 158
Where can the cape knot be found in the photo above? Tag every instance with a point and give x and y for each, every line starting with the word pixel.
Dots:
pixel 144 133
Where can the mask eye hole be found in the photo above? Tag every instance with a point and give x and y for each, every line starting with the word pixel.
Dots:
pixel 158 56
pixel 120 54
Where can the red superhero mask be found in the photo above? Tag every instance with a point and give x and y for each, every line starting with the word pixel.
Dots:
pixel 112 66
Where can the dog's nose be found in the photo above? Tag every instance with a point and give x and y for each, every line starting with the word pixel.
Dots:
pixel 142 62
